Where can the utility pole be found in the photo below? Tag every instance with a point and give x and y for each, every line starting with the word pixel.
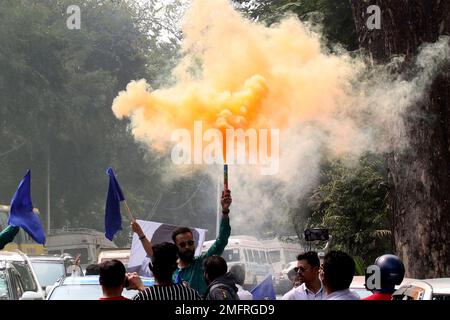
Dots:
pixel 48 190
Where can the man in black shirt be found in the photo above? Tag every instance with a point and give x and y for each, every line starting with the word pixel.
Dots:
pixel 221 285
pixel 163 264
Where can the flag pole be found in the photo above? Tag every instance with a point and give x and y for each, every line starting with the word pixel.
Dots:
pixel 129 211
pixel 218 207
pixel 225 162
pixel 225 177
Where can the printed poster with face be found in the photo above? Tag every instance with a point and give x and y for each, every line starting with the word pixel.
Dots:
pixel 157 232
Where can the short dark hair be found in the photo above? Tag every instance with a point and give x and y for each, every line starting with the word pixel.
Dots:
pixel 112 273
pixel 214 267
pixel 92 269
pixel 178 231
pixel 311 257
pixel 338 270
pixel 164 260
pixel 238 272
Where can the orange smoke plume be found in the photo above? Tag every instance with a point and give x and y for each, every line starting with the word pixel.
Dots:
pixel 238 74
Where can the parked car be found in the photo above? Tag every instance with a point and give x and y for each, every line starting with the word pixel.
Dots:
pixel 427 289
pixel 49 268
pixel 358 286
pixel 85 288
pixel 18 279
pixel 11 287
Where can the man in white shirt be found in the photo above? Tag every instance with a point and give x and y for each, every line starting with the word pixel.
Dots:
pixel 337 273
pixel 238 273
pixel 308 265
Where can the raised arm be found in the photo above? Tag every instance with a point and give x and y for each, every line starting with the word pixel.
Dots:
pixel 145 242
pixel 225 229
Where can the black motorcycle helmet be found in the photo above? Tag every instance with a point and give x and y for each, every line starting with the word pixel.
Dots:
pixel 392 270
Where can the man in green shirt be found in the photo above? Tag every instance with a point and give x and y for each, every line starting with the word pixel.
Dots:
pixel 190 268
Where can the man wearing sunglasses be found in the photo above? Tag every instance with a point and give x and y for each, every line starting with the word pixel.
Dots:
pixel 307 269
pixel 190 268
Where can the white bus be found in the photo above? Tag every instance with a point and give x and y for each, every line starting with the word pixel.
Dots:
pixel 248 252
pixel 281 253
pixel 84 242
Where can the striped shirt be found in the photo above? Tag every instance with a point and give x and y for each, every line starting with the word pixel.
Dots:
pixel 171 292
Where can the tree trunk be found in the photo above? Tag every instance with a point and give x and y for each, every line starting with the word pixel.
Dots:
pixel 420 176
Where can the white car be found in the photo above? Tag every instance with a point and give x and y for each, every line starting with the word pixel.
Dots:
pixel 358 286
pixel 427 289
pixel 30 285
pixel 86 288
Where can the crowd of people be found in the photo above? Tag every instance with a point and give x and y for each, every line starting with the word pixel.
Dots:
pixel 179 275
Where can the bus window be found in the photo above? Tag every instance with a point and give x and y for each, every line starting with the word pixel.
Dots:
pixel 275 256
pixel 231 255
pixel 246 255
pixel 256 256
pixel 250 255
pixel 57 252
pixel 293 256
pixel 263 257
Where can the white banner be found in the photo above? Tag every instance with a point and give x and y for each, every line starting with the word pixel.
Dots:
pixel 157 232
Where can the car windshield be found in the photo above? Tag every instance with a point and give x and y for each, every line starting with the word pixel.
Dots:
pixel 48 271
pixel 3 286
pixel 26 275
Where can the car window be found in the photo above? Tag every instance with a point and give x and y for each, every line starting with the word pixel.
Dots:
pixel 4 291
pixel 48 271
pixel 16 284
pixel 26 275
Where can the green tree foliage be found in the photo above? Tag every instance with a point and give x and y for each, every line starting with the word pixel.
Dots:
pixel 56 90
pixel 334 16
pixel 352 204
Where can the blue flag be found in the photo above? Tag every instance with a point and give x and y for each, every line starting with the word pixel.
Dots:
pixel 113 219
pixel 21 212
pixel 264 290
